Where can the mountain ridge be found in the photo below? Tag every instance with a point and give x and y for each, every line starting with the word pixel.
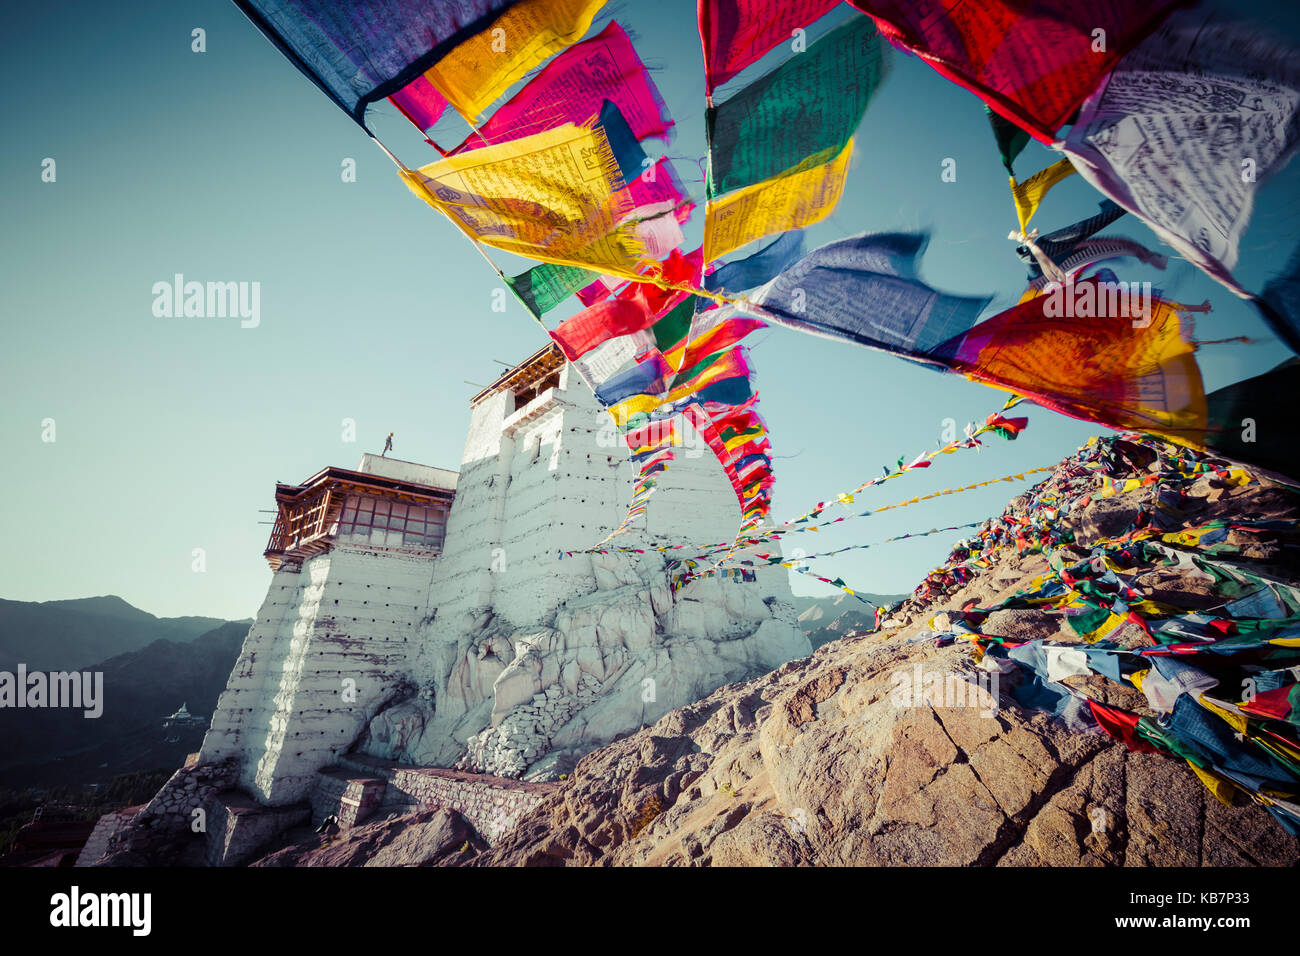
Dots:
pixel 73 633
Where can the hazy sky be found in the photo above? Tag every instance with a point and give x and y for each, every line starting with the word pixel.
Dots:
pixel 225 166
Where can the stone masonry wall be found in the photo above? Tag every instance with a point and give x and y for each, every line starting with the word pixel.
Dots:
pixel 169 816
pixel 492 805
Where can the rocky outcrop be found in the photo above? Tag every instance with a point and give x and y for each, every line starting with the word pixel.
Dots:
pixel 815 765
pixel 416 838
pixel 825 762
pixel 529 702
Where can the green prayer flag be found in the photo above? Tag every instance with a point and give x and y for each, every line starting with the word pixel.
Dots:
pixel 545 286
pixel 1241 411
pixel 681 378
pixel 800 115
pixel 1151 731
pixel 672 328
pixel 1011 138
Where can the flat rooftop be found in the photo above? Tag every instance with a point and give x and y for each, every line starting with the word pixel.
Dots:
pixel 408 471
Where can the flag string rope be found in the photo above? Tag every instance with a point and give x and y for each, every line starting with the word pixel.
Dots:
pixel 994 422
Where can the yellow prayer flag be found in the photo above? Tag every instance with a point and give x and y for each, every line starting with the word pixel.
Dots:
pixel 1238 477
pixel 553 197
pixel 479 70
pixel 788 202
pixel 1030 193
pixel 1234 718
pixel 637 404
pixel 737 441
pixel 1221 788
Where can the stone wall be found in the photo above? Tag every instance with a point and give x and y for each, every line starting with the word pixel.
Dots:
pixel 164 828
pixel 329 648
pixel 492 805
pixel 101 838
pixel 349 796
pixel 238 827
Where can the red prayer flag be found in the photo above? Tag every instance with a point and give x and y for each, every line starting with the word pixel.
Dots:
pixel 1121 725
pixel 1274 703
pixel 721 336
pixel 736 33
pixel 676 268
pixel 1032 61
pixel 599 323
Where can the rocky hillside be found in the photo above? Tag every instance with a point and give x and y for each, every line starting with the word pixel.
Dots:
pixel 1099 676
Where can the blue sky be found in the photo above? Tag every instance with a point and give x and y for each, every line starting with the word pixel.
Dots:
pixel 225 166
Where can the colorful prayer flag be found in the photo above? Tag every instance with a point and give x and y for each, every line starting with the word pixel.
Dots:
pixel 360 52
pixel 800 115
pixel 754 270
pixel 572 88
pixel 599 323
pixel 646 377
pixel 481 68
pixel 865 289
pixel 1086 353
pixel 420 102
pixel 736 33
pixel 1033 61
pixel 554 197
pixel 1030 193
pixel 605 360
pixel 544 287
pixel 1184 130
pixel 1011 139
pixel 790 202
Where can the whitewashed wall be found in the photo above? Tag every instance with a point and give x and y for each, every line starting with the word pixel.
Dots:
pixel 349 615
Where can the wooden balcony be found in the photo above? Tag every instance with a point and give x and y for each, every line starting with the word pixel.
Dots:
pixel 307 515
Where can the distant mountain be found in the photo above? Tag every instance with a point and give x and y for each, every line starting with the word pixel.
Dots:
pixel 43 748
pixel 825 619
pixel 818 608
pixel 71 635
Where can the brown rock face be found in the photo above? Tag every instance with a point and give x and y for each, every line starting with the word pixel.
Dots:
pixel 424 838
pixel 825 762
pixel 778 772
